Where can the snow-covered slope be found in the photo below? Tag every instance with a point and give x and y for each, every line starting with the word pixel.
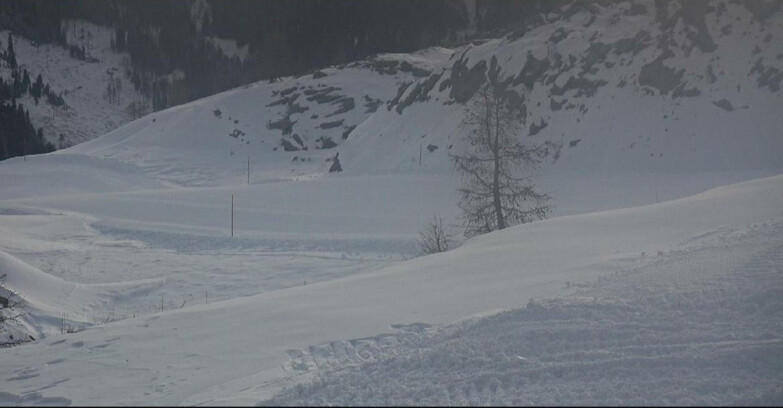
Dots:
pixel 243 350
pixel 139 220
pixel 626 87
pixel 89 111
pixel 636 103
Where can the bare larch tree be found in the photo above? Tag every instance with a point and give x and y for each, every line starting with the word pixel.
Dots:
pixel 497 189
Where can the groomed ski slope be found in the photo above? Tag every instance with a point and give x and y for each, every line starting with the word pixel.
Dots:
pixel 235 352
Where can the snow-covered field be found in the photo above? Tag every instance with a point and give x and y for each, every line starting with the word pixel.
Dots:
pixel 243 350
pixel 657 282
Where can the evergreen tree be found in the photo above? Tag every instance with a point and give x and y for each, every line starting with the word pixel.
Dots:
pixel 25 81
pixel 36 90
pixel 18 136
pixel 10 53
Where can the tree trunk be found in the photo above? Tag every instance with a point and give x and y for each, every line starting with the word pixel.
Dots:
pixel 496 176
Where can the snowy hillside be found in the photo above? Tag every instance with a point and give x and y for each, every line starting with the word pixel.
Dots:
pixel 204 254
pixel 627 89
pixel 84 84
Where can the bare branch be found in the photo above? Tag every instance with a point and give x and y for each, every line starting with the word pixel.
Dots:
pixel 497 188
pixel 434 238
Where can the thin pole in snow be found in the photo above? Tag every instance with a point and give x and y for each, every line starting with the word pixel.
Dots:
pixel 232 214
pixel 248 169
pixel 419 154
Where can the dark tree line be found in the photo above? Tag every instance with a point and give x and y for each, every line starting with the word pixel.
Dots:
pixel 18 136
pixel 284 37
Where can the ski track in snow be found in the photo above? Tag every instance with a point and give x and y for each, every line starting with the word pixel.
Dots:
pixel 700 325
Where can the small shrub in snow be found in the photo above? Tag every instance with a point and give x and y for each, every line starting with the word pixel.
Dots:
pixel 434 238
pixel 10 304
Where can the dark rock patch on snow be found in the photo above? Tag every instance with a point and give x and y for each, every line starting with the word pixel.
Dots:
pixel 724 104
pixel 330 125
pixel 465 82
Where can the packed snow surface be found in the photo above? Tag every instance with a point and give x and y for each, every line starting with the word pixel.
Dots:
pixel 240 350
pixel 696 326
pixel 656 281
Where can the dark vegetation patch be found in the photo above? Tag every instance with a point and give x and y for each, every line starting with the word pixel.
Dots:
pixel 516 101
pixel 346 104
pixel 533 70
pixel 556 106
pixel 348 131
pixel 558 35
pixel 711 74
pixel 552 149
pixel 288 91
pixel 724 104
pixel 400 91
pixel 336 167
pixel 762 10
pixel 494 75
pixel 767 76
pixel 288 146
pixel 444 84
pixel 288 99
pixel 318 74
pixel 465 82
pixel 662 16
pixel 391 67
pixel 693 13
pixel 326 142
pixel 582 85
pixel 657 75
pixel 384 67
pixel 330 125
pixel 636 9
pixel 236 133
pixel 680 91
pixel 298 139
pixel 537 127
pixel 285 125
pixel 420 92
pixel 371 104
pixel 296 108
pixel 217 112
pixel 322 95
pixel 596 53
pixel 633 45
pixel 432 147
pixel 574 142
pixel 406 66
